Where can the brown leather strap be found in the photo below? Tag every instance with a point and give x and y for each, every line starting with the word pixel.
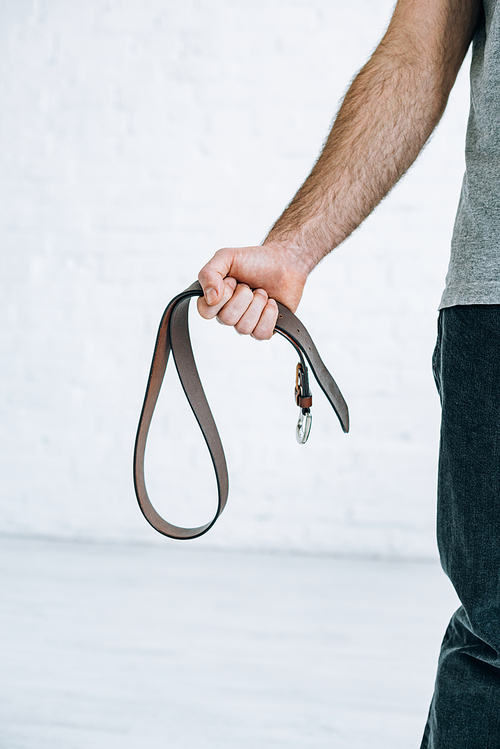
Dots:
pixel 173 335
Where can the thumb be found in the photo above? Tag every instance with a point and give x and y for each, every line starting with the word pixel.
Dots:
pixel 212 275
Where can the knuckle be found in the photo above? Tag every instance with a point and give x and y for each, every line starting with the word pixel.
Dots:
pixel 243 329
pixel 227 317
pixel 227 295
pixel 245 291
pixel 262 335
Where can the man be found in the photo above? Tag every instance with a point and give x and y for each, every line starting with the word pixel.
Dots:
pixel 386 118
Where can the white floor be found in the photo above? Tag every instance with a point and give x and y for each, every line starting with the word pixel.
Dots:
pixel 172 647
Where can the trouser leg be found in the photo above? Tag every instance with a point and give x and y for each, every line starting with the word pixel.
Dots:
pixel 465 710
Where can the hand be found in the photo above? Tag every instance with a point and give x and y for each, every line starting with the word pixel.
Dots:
pixel 241 287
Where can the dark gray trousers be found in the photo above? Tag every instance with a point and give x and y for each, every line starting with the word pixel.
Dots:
pixel 465 709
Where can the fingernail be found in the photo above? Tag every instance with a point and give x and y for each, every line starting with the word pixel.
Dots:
pixel 210 295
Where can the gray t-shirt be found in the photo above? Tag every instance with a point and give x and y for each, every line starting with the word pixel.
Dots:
pixel 474 272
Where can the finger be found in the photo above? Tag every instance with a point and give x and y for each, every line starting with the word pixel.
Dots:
pixel 210 311
pixel 264 329
pixel 236 307
pixel 212 275
pixel 251 317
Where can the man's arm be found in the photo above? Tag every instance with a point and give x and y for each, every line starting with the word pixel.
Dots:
pixel 388 114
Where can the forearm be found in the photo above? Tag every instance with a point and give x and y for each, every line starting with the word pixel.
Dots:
pixel 387 116
pixel 385 120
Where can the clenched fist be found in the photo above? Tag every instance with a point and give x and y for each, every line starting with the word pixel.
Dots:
pixel 242 285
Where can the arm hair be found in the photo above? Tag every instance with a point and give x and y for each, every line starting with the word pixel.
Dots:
pixel 387 116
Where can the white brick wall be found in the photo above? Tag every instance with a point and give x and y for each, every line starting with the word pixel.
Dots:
pixel 136 139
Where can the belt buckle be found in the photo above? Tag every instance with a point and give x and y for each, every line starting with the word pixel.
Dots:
pixel 303 399
pixel 304 425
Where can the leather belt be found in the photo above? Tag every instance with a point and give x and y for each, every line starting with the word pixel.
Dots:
pixel 173 335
